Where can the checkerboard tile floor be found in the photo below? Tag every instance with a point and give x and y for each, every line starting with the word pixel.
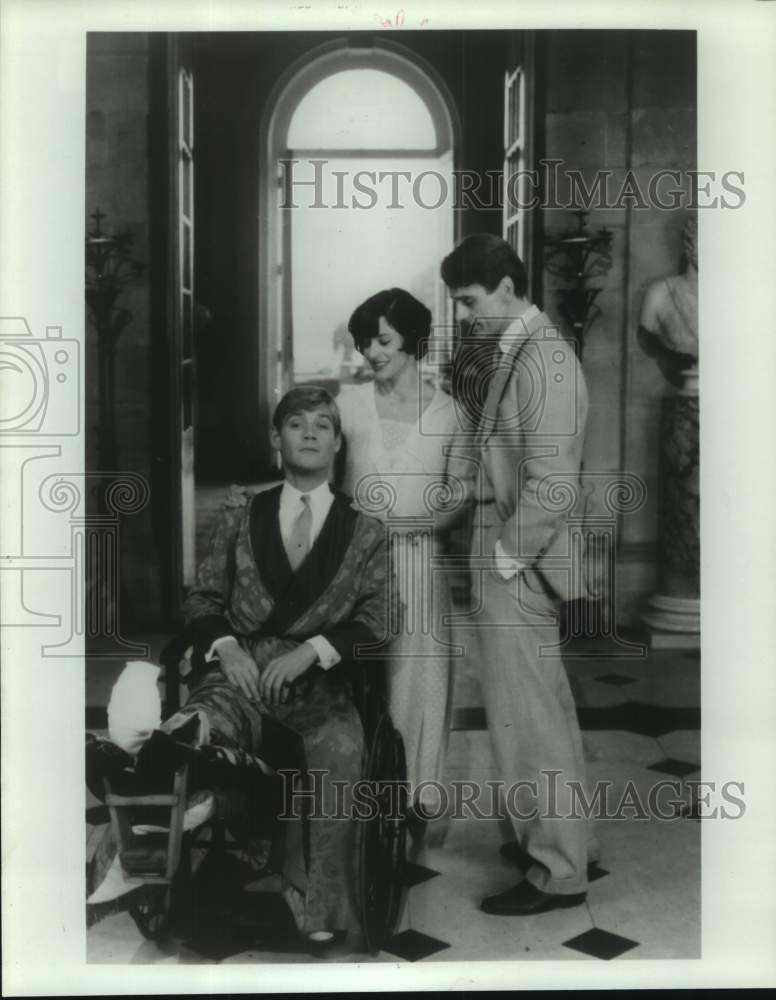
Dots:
pixel 640 719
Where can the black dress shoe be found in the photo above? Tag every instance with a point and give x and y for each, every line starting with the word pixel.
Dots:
pixel 157 761
pixel 212 766
pixel 105 760
pixel 525 899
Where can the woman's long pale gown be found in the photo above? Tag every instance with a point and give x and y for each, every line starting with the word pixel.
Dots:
pixel 399 472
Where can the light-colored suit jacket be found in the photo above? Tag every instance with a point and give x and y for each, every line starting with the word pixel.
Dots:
pixel 530 437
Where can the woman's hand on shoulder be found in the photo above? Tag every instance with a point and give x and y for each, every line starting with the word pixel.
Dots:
pixel 236 496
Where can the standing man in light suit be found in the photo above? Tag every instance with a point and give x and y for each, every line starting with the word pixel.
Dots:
pixel 529 448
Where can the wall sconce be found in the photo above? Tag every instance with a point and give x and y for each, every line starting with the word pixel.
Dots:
pixel 109 267
pixel 577 256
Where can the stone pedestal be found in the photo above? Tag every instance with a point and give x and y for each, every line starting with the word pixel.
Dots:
pixel 673 613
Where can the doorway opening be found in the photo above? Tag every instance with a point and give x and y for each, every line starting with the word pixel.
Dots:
pixel 358 196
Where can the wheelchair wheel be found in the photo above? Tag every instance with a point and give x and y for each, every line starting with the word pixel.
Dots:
pixel 151 911
pixel 382 838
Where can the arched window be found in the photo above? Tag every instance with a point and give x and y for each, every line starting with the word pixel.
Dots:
pixel 360 148
pixel 362 109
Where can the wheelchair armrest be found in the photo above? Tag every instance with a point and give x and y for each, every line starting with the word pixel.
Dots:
pixel 173 650
pixel 177 650
pixel 369 693
pixel 169 659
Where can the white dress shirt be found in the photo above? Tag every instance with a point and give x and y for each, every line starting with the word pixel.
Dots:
pixel 321 499
pixel 506 565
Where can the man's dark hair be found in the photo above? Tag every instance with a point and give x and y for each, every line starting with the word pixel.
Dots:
pixel 405 314
pixel 483 259
pixel 305 399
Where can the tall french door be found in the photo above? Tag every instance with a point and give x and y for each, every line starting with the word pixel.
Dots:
pixel 171 186
pixel 185 303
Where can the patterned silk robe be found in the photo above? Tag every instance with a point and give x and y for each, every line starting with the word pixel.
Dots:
pixel 343 590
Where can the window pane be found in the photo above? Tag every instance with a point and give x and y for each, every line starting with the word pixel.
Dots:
pixel 361 109
pixel 335 267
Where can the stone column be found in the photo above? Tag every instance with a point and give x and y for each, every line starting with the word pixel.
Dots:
pixel 673 613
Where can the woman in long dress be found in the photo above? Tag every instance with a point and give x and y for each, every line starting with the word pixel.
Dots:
pixel 401 464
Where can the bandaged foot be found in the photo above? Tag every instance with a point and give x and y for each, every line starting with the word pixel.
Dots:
pixel 135 707
pixel 135 718
pixel 156 750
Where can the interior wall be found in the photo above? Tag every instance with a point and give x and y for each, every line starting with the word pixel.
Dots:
pixel 621 102
pixel 238 72
pixel 117 183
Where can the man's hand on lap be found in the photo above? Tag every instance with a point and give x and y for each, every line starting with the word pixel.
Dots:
pixel 284 670
pixel 239 669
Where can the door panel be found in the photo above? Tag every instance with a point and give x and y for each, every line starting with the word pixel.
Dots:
pixel 186 312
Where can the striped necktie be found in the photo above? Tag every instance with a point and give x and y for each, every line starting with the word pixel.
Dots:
pixel 298 544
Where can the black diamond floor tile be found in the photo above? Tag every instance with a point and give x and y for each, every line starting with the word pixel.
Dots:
pixel 599 717
pixel 413 945
pixel 595 871
pixel 657 720
pixel 416 874
pixel 671 765
pixel 222 940
pixel 600 944
pixel 617 679
pixel 637 717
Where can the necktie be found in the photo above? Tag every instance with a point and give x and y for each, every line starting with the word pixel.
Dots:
pixel 299 540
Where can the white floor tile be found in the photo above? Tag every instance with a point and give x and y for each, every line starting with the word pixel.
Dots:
pixel 651 894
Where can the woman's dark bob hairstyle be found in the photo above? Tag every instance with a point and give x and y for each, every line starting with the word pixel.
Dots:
pixel 405 314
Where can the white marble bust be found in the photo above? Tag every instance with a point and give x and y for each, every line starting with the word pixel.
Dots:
pixel 668 324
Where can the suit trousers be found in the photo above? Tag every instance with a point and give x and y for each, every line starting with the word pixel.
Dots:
pixel 532 719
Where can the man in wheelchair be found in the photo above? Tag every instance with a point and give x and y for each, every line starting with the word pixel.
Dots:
pixel 292 584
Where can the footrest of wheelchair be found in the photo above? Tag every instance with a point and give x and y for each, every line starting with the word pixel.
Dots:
pixel 146 858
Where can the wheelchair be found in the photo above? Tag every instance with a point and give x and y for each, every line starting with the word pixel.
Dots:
pixel 161 865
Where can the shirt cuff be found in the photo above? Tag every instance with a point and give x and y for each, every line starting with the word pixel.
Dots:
pixel 212 653
pixel 327 655
pixel 506 566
